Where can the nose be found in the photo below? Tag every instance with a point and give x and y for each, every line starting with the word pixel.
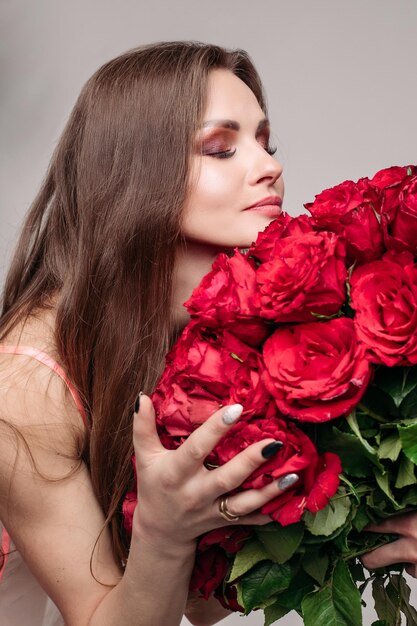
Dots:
pixel 265 168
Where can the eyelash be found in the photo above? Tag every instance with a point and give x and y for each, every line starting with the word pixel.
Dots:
pixel 226 154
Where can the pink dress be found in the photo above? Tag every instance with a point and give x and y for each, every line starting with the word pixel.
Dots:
pixel 23 602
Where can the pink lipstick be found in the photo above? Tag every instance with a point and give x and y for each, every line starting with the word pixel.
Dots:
pixel 270 206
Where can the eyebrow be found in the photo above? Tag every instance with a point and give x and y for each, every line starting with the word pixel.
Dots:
pixel 233 125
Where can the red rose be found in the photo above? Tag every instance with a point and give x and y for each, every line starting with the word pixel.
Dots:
pixel 130 502
pixel 210 568
pixel 230 538
pixel 225 298
pixel 264 244
pixel 351 209
pixel 298 454
pixel 399 215
pixel 128 508
pixel 323 474
pixel 298 226
pixel 317 371
pixel 205 370
pixel 305 276
pixel 384 297
pixel 392 176
pixel 227 596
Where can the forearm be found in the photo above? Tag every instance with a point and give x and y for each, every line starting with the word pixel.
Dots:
pixel 202 612
pixel 153 590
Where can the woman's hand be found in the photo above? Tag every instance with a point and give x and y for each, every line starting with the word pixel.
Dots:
pixel 402 550
pixel 178 497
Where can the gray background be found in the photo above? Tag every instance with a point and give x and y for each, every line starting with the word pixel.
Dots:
pixel 340 78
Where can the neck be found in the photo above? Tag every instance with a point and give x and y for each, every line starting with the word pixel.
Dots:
pixel 192 262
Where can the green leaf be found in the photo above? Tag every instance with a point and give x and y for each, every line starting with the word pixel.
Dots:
pixel 383 484
pixel 408 610
pixel 274 612
pixel 361 518
pixel 252 552
pixel 398 382
pixel 409 499
pixel 386 610
pixel 390 447
pixel 316 564
pixel 353 423
pixel 352 489
pixel 406 475
pixel 408 407
pixel 300 586
pixel 329 519
pixel 336 604
pixel 281 543
pixel 378 402
pixel 263 581
pixel 356 460
pixel 408 435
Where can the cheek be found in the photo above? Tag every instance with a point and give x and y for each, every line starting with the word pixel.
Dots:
pixel 216 188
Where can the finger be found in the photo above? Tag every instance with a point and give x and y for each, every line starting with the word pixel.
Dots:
pixel 248 501
pixel 399 524
pixel 232 474
pixel 191 454
pixel 401 551
pixel 145 436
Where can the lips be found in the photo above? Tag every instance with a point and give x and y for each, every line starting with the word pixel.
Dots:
pixel 270 206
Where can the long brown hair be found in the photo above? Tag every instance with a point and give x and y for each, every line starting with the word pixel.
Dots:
pixel 101 235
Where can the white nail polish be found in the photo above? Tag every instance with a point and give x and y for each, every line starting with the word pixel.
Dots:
pixel 232 414
pixel 286 481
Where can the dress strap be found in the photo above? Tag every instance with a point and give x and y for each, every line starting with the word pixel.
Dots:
pixel 47 360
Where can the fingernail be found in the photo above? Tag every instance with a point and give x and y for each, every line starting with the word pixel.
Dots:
pixel 232 414
pixel 137 402
pixel 271 449
pixel 286 481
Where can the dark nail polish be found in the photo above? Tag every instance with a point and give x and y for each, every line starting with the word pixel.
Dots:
pixel 271 449
pixel 137 403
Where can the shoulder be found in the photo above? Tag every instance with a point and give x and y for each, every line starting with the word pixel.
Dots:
pixel 39 422
pixel 33 397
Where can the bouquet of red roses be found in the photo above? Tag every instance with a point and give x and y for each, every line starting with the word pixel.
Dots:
pixel 314 331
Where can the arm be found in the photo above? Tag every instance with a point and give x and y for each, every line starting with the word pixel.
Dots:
pixel 55 523
pixel 201 612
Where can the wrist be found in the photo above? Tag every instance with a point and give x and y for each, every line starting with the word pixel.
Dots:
pixel 162 547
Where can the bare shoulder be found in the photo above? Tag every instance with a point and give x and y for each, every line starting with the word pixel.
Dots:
pixel 36 403
pixel 47 502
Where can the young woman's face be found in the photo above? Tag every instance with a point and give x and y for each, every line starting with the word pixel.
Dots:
pixel 236 184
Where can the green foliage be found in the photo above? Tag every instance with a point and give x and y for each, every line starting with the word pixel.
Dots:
pixel 408 436
pixel 263 581
pixel 329 519
pixel 316 564
pixel 337 603
pixel 392 597
pixel 390 447
pixel 312 567
pixel 406 474
pixel 274 612
pixel 282 542
pixel 252 553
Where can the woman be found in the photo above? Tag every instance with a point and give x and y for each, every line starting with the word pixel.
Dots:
pixel 163 164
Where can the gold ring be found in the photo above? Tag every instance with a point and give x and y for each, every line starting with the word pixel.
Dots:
pixel 224 511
